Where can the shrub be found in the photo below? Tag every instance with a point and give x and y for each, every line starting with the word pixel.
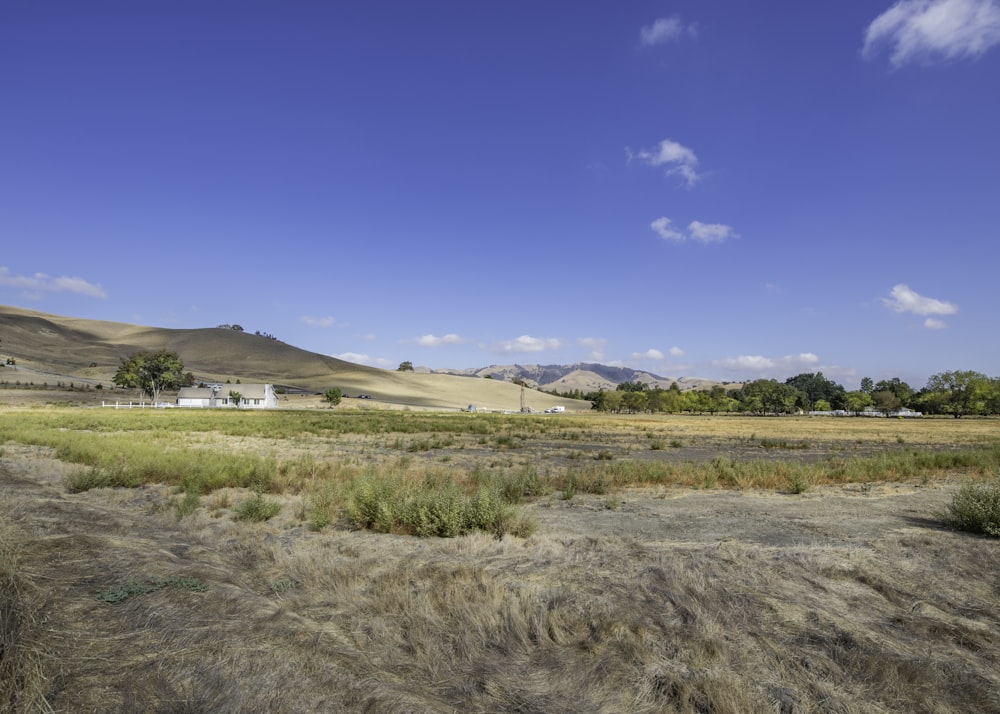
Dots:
pixel 976 508
pixel 257 509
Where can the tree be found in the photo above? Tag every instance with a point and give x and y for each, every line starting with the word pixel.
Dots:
pixel 885 401
pixel 867 385
pixel 857 401
pixel 634 401
pixel 235 397
pixel 406 366
pixel 815 387
pixel 151 373
pixel 766 396
pixel 902 390
pixel 333 395
pixel 958 393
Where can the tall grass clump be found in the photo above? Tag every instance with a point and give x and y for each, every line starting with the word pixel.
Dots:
pixel 431 507
pixel 976 508
pixel 257 508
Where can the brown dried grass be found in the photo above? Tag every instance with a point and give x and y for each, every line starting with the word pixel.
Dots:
pixel 294 621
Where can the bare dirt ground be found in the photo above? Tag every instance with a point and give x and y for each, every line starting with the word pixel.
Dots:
pixel 848 599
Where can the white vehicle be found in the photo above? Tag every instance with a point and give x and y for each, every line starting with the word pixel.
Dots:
pixel 555 410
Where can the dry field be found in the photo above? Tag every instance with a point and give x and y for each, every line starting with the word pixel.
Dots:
pixel 708 588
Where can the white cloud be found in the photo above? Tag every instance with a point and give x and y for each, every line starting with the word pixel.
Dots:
pixel 318 321
pixel 678 159
pixel 45 283
pixel 648 354
pixel 665 29
pixel 759 363
pixel 662 228
pixel 711 232
pixel 355 357
pixel 595 345
pixel 526 343
pixel 676 352
pixel 435 341
pixel 903 299
pixel 926 30
pixel 696 230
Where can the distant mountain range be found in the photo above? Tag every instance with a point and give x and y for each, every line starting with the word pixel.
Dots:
pixel 585 376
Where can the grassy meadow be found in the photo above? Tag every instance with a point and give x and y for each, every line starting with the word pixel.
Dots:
pixel 176 561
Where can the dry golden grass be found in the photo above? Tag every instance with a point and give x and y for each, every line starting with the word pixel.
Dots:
pixel 852 598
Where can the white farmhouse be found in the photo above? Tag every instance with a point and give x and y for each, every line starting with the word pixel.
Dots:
pixel 252 396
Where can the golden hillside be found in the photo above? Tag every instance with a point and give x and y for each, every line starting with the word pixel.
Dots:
pixel 91 351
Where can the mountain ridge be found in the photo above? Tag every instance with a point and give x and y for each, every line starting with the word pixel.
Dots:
pixel 582 376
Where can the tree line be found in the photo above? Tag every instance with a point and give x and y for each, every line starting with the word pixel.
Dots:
pixel 957 393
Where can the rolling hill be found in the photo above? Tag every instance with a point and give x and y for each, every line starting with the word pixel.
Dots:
pixel 585 376
pixel 90 351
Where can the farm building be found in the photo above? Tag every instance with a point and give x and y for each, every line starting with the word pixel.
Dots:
pixel 252 396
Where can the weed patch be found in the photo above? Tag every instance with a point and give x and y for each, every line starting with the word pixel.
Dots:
pixel 976 508
pixel 257 508
pixel 120 593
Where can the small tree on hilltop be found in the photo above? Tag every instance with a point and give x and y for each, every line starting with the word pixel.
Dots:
pixel 406 366
pixel 151 373
pixel 333 395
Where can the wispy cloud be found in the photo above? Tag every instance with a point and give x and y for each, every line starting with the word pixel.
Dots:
pixel 318 321
pixel 696 230
pixel 355 357
pixel 676 352
pixel 435 341
pixel 675 158
pixel 526 343
pixel 761 364
pixel 664 30
pixel 595 345
pixel 40 282
pixel 903 299
pixel 651 353
pixel 929 30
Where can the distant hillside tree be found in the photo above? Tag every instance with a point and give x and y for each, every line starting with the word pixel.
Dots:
pixel 406 366
pixel 151 373
pixel 333 395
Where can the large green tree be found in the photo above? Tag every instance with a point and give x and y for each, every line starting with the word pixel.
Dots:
pixel 766 396
pixel 816 387
pixel 898 388
pixel 151 373
pixel 958 393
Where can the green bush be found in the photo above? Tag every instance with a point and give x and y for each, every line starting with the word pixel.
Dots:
pixel 257 508
pixel 434 507
pixel 976 508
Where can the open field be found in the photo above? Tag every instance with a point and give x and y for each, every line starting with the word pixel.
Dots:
pixel 662 564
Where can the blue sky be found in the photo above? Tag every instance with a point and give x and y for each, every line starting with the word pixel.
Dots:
pixel 717 188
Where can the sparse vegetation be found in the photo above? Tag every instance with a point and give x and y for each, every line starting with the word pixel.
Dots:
pixel 257 508
pixel 124 591
pixel 595 620
pixel 976 508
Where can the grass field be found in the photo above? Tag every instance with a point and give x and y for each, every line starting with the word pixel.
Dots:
pixel 232 561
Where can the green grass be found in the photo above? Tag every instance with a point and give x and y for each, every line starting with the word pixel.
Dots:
pixel 257 509
pixel 124 591
pixel 338 462
pixel 431 507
